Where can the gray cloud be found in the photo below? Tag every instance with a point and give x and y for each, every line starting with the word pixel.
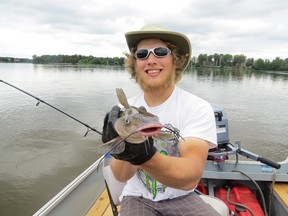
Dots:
pixel 89 27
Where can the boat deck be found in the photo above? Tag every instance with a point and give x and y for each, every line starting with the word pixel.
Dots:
pixel 281 190
pixel 102 206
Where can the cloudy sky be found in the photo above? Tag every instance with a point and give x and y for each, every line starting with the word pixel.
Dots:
pixel 255 28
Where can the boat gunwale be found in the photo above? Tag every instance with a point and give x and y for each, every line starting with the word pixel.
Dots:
pixel 52 203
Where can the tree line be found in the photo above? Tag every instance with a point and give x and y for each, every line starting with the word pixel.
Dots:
pixel 15 60
pixel 240 61
pixel 203 60
pixel 66 59
pixel 77 59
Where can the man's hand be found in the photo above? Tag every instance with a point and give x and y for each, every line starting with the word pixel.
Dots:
pixel 137 154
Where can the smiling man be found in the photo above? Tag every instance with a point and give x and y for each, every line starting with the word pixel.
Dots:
pixel 161 174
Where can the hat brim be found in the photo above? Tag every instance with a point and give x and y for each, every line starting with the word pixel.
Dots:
pixel 175 38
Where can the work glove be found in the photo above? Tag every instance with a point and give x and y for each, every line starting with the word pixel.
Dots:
pixel 109 131
pixel 136 154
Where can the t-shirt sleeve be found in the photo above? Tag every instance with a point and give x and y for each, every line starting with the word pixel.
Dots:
pixel 199 122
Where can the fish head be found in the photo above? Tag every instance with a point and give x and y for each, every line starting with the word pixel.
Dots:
pixel 136 126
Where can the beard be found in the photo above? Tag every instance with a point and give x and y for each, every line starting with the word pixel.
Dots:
pixel 156 85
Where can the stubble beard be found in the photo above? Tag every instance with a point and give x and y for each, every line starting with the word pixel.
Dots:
pixel 156 86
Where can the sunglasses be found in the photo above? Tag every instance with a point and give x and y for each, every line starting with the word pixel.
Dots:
pixel 159 52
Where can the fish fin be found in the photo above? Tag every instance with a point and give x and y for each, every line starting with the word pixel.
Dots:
pixel 118 148
pixel 114 146
pixel 122 97
pixel 164 136
pixel 107 144
pixel 142 111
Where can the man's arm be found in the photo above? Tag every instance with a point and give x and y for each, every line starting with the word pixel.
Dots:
pixel 122 170
pixel 182 172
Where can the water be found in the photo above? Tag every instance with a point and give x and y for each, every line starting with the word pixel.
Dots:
pixel 41 150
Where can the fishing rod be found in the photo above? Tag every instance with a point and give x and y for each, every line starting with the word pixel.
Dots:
pixel 89 128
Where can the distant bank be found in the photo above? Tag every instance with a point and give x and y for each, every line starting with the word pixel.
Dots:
pixel 203 60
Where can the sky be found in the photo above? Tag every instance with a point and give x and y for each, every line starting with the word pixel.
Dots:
pixel 254 28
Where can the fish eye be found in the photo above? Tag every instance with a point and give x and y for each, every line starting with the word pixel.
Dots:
pixel 126 120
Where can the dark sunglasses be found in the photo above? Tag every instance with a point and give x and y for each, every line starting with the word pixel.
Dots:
pixel 159 52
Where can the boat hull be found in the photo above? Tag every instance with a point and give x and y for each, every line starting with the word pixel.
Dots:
pixel 81 194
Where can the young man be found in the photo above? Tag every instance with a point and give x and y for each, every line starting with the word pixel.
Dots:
pixel 161 175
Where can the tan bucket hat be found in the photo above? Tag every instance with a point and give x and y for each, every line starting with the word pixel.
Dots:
pixel 163 33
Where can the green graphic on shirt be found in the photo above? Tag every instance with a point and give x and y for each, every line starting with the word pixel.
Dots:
pixel 153 187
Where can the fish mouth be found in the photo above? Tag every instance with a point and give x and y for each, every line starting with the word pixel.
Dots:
pixel 149 130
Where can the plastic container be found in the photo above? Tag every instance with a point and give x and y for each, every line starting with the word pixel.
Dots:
pixel 243 195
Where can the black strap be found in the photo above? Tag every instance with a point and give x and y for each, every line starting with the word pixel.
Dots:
pixel 113 206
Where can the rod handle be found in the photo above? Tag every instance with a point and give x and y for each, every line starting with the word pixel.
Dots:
pixel 269 162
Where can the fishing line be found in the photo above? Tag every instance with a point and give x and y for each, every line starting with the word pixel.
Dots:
pixel 89 128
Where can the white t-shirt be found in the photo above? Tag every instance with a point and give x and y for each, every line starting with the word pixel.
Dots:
pixel 192 117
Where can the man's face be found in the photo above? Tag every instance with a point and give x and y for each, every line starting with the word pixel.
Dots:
pixel 154 73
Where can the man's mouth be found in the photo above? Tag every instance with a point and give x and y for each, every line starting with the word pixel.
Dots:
pixel 153 71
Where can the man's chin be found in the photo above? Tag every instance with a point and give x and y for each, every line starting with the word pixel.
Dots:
pixel 156 87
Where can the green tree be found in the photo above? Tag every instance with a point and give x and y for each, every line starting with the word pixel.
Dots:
pixel 249 62
pixel 227 60
pixel 278 64
pixel 261 64
pixel 239 60
pixel 202 59
pixel 216 59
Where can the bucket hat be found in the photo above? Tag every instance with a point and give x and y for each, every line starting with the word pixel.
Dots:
pixel 163 33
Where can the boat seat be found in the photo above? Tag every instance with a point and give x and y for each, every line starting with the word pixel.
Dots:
pixel 217 204
pixel 115 188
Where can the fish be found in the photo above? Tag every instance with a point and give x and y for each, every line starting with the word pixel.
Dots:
pixel 135 125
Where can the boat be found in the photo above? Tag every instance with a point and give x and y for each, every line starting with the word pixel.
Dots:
pixel 250 186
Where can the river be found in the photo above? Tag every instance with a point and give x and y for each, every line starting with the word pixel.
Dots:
pixel 42 150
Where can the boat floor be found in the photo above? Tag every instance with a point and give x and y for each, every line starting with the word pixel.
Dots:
pixel 281 189
pixel 102 206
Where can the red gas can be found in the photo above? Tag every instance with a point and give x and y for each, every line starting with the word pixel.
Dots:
pixel 243 195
